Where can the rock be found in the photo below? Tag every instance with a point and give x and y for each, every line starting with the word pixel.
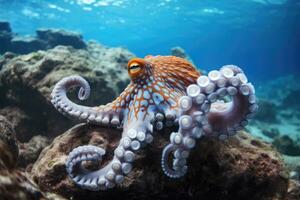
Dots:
pixel 292 100
pixel 293 165
pixel 24 122
pixel 278 89
pixel 240 168
pixel 5 38
pixel 267 112
pixel 14 184
pixel 8 138
pixel 54 37
pixel 286 145
pixel 293 191
pixel 180 52
pixel 272 133
pixel 5 26
pixel 24 45
pixel 26 82
pixel 31 150
pixel 45 39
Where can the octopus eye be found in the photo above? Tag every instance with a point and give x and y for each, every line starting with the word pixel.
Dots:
pixel 136 67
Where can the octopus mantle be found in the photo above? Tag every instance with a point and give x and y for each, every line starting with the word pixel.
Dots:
pixel 164 91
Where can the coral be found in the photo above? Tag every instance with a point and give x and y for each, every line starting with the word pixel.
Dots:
pixel 239 168
pixel 27 80
pixel 161 87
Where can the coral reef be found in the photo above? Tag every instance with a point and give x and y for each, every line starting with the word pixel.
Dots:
pixel 239 168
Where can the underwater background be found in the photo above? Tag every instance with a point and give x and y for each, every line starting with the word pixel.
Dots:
pixel 262 36
pixel 43 41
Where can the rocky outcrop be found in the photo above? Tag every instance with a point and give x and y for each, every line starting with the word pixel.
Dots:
pixel 45 39
pixel 23 45
pixel 14 185
pixel 26 82
pixel 55 37
pixel 240 168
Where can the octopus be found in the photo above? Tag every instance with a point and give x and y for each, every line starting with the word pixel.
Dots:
pixel 163 91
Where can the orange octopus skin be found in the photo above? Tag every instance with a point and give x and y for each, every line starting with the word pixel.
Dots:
pixel 166 75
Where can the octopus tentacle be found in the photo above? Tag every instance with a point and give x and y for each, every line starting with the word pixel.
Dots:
pixel 113 173
pixel 100 115
pixel 202 115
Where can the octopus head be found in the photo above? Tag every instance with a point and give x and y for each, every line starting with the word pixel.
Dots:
pixel 171 69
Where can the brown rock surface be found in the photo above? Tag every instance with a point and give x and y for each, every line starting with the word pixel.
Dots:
pixel 240 168
pixel 31 150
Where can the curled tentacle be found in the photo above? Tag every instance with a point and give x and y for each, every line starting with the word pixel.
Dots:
pixel 179 167
pixel 202 114
pixel 113 173
pixel 100 115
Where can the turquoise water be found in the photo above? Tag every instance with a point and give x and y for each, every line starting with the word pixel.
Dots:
pixel 261 36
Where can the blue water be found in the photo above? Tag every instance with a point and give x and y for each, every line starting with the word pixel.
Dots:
pixel 261 36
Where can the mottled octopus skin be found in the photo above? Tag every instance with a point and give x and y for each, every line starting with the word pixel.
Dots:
pixel 161 87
